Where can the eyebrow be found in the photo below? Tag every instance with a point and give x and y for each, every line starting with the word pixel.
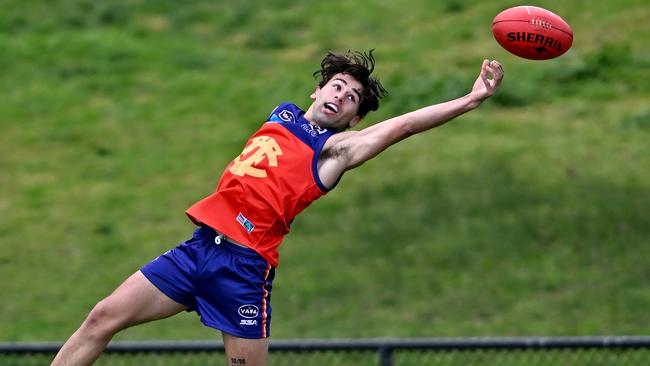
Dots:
pixel 346 83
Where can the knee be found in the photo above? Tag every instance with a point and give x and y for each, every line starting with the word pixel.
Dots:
pixel 103 320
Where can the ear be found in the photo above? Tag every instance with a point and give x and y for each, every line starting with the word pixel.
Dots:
pixel 315 93
pixel 354 121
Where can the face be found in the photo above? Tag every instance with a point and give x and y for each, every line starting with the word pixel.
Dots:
pixel 336 103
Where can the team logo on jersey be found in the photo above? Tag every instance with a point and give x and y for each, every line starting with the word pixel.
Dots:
pixel 260 148
pixel 287 116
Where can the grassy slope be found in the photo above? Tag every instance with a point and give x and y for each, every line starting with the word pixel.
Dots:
pixel 526 217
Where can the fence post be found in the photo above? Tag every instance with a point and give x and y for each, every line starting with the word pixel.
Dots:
pixel 385 355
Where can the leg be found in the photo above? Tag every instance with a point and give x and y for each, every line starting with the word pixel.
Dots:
pixel 245 352
pixel 134 302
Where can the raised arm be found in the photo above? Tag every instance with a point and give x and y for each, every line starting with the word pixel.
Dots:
pixel 350 149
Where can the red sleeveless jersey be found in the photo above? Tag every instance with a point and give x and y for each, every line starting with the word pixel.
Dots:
pixel 268 184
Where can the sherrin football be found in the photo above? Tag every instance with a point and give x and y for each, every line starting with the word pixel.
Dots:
pixel 532 32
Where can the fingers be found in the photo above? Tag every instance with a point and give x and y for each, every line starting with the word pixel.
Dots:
pixel 495 65
pixel 495 68
pixel 484 70
pixel 489 80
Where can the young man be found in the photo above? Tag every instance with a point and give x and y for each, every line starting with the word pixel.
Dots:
pixel 225 271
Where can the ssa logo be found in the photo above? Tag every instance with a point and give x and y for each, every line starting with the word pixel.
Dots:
pixel 248 311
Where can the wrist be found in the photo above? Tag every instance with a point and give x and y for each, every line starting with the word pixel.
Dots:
pixel 473 101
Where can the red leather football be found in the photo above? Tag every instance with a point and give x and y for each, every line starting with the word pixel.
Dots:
pixel 532 32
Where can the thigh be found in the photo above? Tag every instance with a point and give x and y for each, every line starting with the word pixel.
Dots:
pixel 137 301
pixel 245 352
pixel 233 293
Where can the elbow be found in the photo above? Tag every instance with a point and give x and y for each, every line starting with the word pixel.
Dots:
pixel 406 129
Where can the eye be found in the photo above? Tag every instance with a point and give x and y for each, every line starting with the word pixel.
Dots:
pixel 352 98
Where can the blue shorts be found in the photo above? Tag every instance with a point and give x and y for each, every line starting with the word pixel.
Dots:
pixel 229 286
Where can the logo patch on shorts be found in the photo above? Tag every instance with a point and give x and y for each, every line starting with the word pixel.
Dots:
pixel 248 322
pixel 246 223
pixel 248 311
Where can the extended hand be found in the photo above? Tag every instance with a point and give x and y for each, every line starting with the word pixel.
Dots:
pixel 488 81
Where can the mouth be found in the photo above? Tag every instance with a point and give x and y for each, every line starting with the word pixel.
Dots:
pixel 331 107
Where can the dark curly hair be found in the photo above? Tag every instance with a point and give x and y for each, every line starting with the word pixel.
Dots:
pixel 358 65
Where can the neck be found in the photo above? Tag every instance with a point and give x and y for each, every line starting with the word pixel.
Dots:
pixel 309 114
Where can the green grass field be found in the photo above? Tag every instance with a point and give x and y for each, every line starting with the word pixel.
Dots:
pixel 528 216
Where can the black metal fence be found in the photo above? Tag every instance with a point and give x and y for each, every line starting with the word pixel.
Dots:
pixel 570 351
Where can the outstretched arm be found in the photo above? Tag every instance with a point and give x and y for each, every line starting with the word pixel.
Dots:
pixel 352 148
pixel 435 115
